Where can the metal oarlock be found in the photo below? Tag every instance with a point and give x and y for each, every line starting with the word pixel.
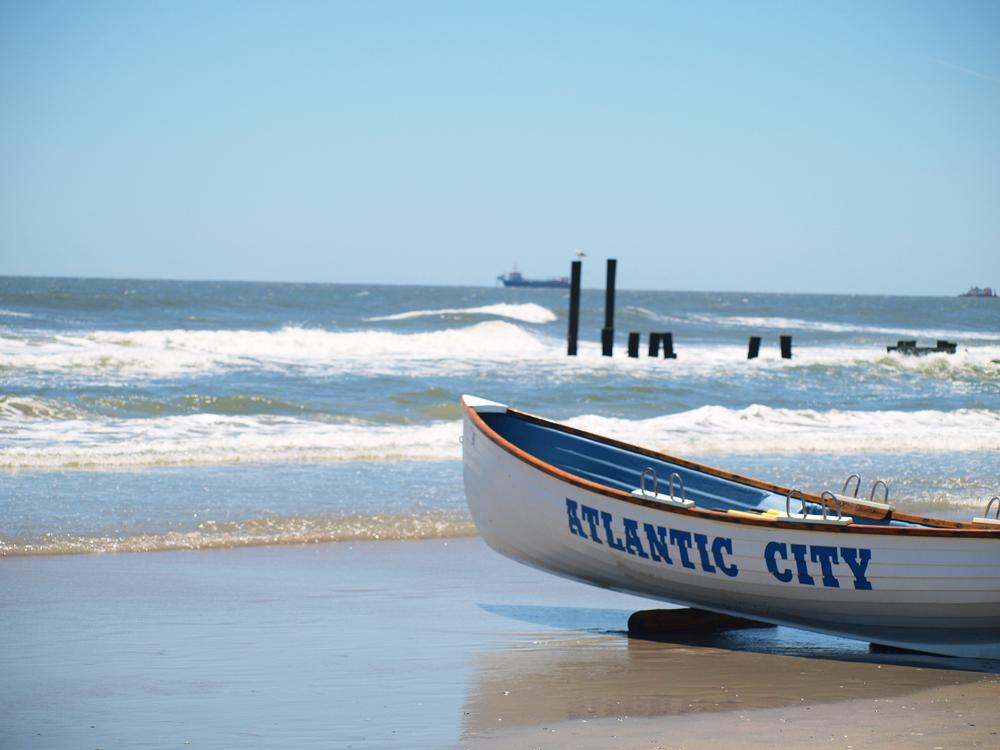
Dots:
pixel 680 482
pixel 836 500
pixel 885 487
pixel 642 481
pixel 857 486
pixel 986 513
pixel 788 503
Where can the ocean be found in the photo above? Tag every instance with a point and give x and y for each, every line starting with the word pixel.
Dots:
pixel 155 415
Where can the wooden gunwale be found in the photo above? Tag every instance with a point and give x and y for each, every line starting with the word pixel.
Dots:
pixel 947 528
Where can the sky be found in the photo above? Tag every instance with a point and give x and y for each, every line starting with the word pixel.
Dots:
pixel 828 147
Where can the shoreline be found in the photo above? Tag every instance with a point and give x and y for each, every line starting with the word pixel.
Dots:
pixel 418 644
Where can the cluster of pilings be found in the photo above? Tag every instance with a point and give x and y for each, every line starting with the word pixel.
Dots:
pixel 910 347
pixel 666 339
pixel 785 342
pixel 608 331
pixel 657 339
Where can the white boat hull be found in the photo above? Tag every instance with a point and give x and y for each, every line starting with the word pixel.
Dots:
pixel 940 595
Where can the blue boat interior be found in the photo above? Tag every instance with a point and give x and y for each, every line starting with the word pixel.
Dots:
pixel 622 469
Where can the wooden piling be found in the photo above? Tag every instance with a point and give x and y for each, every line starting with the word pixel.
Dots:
pixel 909 347
pixel 903 347
pixel 943 345
pixel 608 332
pixel 754 349
pixel 633 344
pixel 654 345
pixel 668 346
pixel 574 308
pixel 786 347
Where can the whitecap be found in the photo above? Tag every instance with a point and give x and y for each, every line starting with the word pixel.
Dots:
pixel 102 443
pixel 798 324
pixel 125 356
pixel 528 312
pixel 190 439
pixel 764 430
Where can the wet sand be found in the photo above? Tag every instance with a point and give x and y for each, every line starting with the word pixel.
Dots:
pixel 429 644
pixel 964 716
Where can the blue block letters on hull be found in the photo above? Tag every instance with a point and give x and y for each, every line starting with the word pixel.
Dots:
pixel 787 563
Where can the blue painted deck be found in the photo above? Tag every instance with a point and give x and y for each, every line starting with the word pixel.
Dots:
pixel 622 469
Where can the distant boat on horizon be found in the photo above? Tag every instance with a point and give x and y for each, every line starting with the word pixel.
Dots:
pixel 975 291
pixel 516 278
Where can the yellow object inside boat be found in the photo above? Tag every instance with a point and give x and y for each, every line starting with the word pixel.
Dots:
pixel 756 514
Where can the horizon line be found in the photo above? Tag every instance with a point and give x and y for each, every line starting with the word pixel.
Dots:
pixel 455 286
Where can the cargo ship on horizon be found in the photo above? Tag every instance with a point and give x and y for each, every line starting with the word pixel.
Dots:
pixel 516 278
pixel 975 291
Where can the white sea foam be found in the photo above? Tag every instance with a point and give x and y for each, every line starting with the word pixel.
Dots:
pixel 798 324
pixel 111 356
pixel 762 430
pixel 14 314
pixel 215 439
pixel 94 443
pixel 172 353
pixel 528 312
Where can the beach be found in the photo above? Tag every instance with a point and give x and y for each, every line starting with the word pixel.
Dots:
pixel 429 644
pixel 233 514
pixel 311 312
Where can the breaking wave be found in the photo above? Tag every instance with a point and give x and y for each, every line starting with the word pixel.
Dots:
pixel 253 532
pixel 798 324
pixel 761 430
pixel 528 312
pixel 214 439
pixel 175 353
pixel 200 439
pixel 113 356
pixel 16 408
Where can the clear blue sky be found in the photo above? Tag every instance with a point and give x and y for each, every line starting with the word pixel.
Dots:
pixel 774 146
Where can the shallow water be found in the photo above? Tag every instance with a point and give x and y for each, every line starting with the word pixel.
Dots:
pixel 152 414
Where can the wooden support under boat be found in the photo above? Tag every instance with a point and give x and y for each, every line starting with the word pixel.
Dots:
pixel 655 623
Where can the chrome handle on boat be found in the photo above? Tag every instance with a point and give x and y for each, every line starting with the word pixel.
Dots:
pixel 680 481
pixel 857 486
pixel 788 503
pixel 871 495
pixel 642 481
pixel 837 502
pixel 994 499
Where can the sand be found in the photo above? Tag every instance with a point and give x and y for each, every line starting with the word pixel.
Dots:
pixel 432 644
pixel 951 717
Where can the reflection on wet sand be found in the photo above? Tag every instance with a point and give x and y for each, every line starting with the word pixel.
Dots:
pixel 551 677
